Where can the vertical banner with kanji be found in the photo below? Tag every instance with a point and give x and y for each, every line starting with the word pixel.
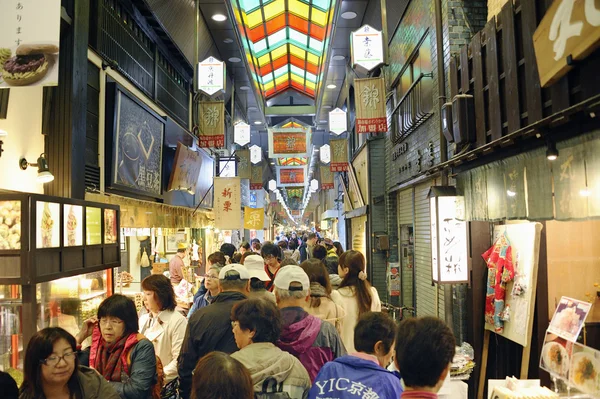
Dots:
pixel 211 128
pixel 227 204
pixel 256 181
pixel 326 177
pixel 371 114
pixel 243 167
pixel 339 155
pixel 254 218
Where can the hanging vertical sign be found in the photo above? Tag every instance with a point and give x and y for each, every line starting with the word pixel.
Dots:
pixel 255 154
pixel 254 218
pixel 241 133
pixel 243 167
pixel 212 124
pixel 186 170
pixel 211 76
pixel 338 122
pixel 371 116
pixel 366 45
pixel 339 155
pixel 325 153
pixel 256 180
pixel 326 178
pixel 228 205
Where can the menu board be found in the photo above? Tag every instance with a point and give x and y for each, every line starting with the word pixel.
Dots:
pixel 10 225
pixel 110 226
pixel 73 227
pixel 47 225
pixel 93 226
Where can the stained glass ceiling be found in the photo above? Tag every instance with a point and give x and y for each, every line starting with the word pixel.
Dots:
pixel 285 42
pixel 292 161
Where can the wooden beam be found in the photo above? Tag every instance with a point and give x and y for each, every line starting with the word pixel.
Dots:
pixel 491 51
pixel 509 58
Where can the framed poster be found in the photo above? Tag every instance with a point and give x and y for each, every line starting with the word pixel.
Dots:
pixel 186 170
pixel 135 136
pixel 291 176
pixel 285 142
pixel 172 241
pixel 205 179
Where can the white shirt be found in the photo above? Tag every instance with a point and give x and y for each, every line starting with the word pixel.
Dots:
pixel 166 333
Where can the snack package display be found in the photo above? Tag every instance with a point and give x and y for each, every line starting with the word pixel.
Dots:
pixel 10 225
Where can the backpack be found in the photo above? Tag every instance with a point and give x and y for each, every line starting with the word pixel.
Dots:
pixel 160 377
pixel 276 390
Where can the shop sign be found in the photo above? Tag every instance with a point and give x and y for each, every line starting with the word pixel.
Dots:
pixel 255 154
pixel 449 257
pixel 256 181
pixel 286 142
pixel 186 170
pixel 371 115
pixel 339 155
pixel 291 176
pixel 212 124
pixel 253 199
pixel 325 153
pixel 29 41
pixel 228 205
pixel 254 218
pixel 243 165
pixel 241 133
pixel 338 121
pixel 569 32
pixel 211 76
pixel 425 159
pixel 326 178
pixel 367 48
pixel 394 279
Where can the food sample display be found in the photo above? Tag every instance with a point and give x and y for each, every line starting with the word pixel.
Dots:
pixel 29 65
pixel 73 225
pixel 10 225
pixel 584 371
pixel 48 219
pixel 93 226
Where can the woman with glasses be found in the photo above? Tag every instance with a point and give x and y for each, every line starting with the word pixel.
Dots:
pixel 211 282
pixel 52 370
pixel 118 352
pixel 163 326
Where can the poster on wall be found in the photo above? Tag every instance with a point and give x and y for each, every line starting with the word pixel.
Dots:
pixel 29 43
pixel 93 226
pixel 228 205
pixel 569 318
pixel 369 95
pixel 290 176
pixel 73 234
pixel 339 155
pixel 285 142
pixel 256 181
pixel 211 130
pixel 137 147
pixel 48 224
pixel 186 170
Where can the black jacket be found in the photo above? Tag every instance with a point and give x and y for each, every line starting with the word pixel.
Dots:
pixel 208 330
pixel 303 252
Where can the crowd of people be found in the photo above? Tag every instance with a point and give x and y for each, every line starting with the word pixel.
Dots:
pixel 296 318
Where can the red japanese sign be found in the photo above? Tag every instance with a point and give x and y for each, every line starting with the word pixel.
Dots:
pixel 291 176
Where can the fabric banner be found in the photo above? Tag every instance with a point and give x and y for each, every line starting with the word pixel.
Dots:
pixel 186 170
pixel 286 142
pixel 212 124
pixel 291 176
pixel 254 218
pixel 326 178
pixel 369 97
pixel 228 206
pixel 256 181
pixel 243 167
pixel 339 155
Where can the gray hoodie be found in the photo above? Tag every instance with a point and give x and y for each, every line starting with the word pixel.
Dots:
pixel 265 360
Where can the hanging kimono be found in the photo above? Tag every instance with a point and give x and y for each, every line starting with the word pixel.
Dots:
pixel 500 271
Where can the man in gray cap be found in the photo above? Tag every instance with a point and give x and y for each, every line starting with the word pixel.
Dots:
pixel 209 329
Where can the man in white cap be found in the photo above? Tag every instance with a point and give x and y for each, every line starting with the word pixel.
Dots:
pixel 258 276
pixel 313 341
pixel 209 329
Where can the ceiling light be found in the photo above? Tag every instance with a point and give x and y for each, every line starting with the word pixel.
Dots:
pixel 338 58
pixel 3 133
pixel 585 193
pixel 510 193
pixel 220 17
pixel 252 109
pixel 323 121
pixel 44 175
pixel 552 151
pixel 244 88
pixel 228 40
pixel 257 122
pixel 327 107
pixel 347 15
pixel 331 86
pixel 234 59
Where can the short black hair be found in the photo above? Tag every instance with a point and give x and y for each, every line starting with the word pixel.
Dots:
pixel 228 249
pixel 163 290
pixel 123 308
pixel 270 249
pixel 245 245
pixel 181 250
pixel 371 328
pixel 257 285
pixel 319 252
pixel 293 244
pixel 9 386
pixel 331 263
pixel 261 316
pixel 254 240
pixel 424 348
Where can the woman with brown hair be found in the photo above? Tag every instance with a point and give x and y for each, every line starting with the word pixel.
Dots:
pixel 321 304
pixel 219 376
pixel 355 295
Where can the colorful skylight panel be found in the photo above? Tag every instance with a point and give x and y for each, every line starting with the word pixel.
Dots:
pixel 295 161
pixel 285 42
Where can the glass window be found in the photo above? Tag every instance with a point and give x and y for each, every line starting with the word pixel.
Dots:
pixel 11 333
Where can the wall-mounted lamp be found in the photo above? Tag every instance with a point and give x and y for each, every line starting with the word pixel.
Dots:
pixel 3 133
pixel 552 151
pixel 44 175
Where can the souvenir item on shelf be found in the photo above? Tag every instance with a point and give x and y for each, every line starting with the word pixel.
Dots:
pixel 145 261
pixel 500 271
pixel 124 279
pixel 10 225
pixel 46 226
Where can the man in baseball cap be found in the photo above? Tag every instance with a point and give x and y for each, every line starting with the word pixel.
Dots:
pixel 258 276
pixel 313 341
pixel 209 329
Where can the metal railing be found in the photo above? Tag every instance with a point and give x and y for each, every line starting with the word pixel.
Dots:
pixel 414 108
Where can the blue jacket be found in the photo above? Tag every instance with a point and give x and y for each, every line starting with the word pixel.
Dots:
pixel 348 376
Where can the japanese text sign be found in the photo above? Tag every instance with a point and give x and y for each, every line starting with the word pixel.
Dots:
pixel 570 30
pixel 326 178
pixel 291 176
pixel 243 167
pixel 254 218
pixel 371 116
pixel 367 47
pixel 241 133
pixel 284 142
pixel 211 76
pixel 29 42
pixel 212 124
pixel 186 170
pixel 256 181
pixel 338 122
pixel 339 155
pixel 227 204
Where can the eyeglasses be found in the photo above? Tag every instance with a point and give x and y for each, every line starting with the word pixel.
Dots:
pixel 209 276
pixel 52 361
pixel 112 322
